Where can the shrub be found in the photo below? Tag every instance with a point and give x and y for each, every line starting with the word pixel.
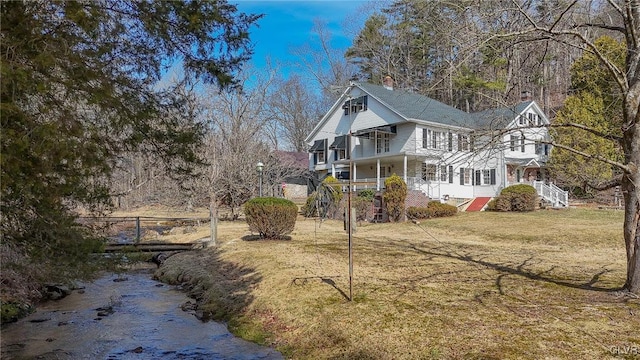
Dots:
pixel 394 197
pixel 362 206
pixel 521 197
pixel 434 209
pixel 439 209
pixel 310 208
pixel 368 194
pixel 334 184
pixel 414 212
pixel 271 217
pixel 325 200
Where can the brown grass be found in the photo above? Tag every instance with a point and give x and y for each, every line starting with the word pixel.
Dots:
pixel 475 286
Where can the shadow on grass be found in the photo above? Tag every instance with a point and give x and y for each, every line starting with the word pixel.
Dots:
pixel 325 279
pixel 518 270
pixel 253 237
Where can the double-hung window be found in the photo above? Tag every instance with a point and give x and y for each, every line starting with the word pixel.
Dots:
pixel 382 142
pixel 319 150
pixel 512 142
pixel 485 177
pixel 443 173
pixel 429 172
pixel 463 142
pixel 435 139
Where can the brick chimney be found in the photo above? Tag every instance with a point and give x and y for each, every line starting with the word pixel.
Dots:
pixel 388 82
pixel 526 96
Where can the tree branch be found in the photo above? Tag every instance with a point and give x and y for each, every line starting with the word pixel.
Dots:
pixel 617 164
pixel 589 130
pixel 602 26
pixel 618 74
pixel 605 185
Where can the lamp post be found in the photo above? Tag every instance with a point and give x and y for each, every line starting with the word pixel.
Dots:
pixel 260 166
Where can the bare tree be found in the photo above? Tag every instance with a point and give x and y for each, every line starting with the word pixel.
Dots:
pixel 295 110
pixel 323 64
pixel 577 25
pixel 235 144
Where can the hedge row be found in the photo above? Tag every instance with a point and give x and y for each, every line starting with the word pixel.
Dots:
pixel 433 210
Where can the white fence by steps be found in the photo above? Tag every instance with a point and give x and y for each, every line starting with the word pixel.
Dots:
pixel 551 193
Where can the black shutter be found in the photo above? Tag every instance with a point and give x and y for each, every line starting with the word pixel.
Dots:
pixel 478 177
pixel 493 176
pixel 461 176
pixel 315 158
pixel 450 174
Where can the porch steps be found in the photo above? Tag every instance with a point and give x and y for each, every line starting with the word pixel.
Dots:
pixel 478 204
pixel 416 198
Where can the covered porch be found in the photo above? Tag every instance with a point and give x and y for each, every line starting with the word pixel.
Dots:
pixel 370 173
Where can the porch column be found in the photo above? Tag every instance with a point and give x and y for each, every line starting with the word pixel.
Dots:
pixel 378 175
pixel 355 176
pixel 404 168
pixel 333 170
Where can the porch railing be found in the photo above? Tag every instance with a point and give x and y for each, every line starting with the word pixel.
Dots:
pixel 413 183
pixel 552 193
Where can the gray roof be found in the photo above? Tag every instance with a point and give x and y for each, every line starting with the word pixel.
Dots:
pixel 420 107
pixel 499 118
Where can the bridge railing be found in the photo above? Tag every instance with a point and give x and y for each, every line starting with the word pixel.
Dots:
pixel 132 229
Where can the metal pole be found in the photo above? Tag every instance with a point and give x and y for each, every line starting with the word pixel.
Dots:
pixel 260 191
pixel 349 228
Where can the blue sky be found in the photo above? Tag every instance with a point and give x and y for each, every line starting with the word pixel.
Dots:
pixel 288 24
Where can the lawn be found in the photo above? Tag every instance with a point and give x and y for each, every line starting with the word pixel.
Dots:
pixel 475 286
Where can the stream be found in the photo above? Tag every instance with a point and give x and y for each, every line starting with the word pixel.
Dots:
pixel 127 316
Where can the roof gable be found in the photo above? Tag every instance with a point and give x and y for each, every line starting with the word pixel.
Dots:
pixel 500 117
pixel 419 108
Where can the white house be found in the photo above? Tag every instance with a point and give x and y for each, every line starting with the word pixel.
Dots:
pixel 446 153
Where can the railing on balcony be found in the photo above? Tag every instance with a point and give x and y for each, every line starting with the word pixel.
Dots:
pixel 413 183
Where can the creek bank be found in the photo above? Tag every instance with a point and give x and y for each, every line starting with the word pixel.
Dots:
pixel 132 317
pixel 223 291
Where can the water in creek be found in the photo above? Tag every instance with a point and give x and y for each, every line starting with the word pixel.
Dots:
pixel 129 316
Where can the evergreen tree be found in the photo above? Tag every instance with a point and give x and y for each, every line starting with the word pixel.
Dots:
pixel 595 105
pixel 79 88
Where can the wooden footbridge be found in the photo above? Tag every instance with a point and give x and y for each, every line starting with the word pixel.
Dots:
pixel 131 233
pixel 153 247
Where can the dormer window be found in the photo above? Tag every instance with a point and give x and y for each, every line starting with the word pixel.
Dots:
pixel 355 105
pixel 319 150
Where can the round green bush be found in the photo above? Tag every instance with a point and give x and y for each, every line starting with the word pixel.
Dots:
pixel 520 197
pixel 271 217
pixel 519 189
